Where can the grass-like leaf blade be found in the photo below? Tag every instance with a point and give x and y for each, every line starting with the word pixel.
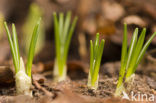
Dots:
pixel 16 45
pixel 61 24
pixel 91 57
pixel 32 49
pixel 123 57
pixel 144 50
pixel 136 52
pixel 96 46
pixel 66 25
pixel 131 48
pixel 69 36
pixel 98 61
pixel 15 61
pixel 57 39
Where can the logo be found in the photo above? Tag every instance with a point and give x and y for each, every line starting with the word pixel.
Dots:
pixel 138 96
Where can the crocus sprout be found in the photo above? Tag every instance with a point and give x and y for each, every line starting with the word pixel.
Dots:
pixel 63 34
pixel 130 58
pixel 96 51
pixel 22 74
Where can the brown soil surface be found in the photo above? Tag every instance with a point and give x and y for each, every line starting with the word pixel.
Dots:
pixel 46 91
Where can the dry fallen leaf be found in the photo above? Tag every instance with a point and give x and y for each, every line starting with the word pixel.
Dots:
pixel 112 10
pixel 134 19
pixel 6 75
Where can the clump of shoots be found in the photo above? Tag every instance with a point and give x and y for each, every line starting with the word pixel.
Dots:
pixel 22 75
pixel 63 34
pixel 96 51
pixel 34 14
pixel 131 58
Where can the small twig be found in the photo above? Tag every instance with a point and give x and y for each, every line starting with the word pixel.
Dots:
pixel 37 85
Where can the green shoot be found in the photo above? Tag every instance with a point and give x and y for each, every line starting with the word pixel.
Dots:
pixel 96 51
pixel 63 34
pixel 34 14
pixel 22 76
pixel 1 25
pixel 32 49
pixel 131 59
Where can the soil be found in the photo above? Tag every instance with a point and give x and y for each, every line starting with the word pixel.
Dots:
pixel 107 87
pixel 45 90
